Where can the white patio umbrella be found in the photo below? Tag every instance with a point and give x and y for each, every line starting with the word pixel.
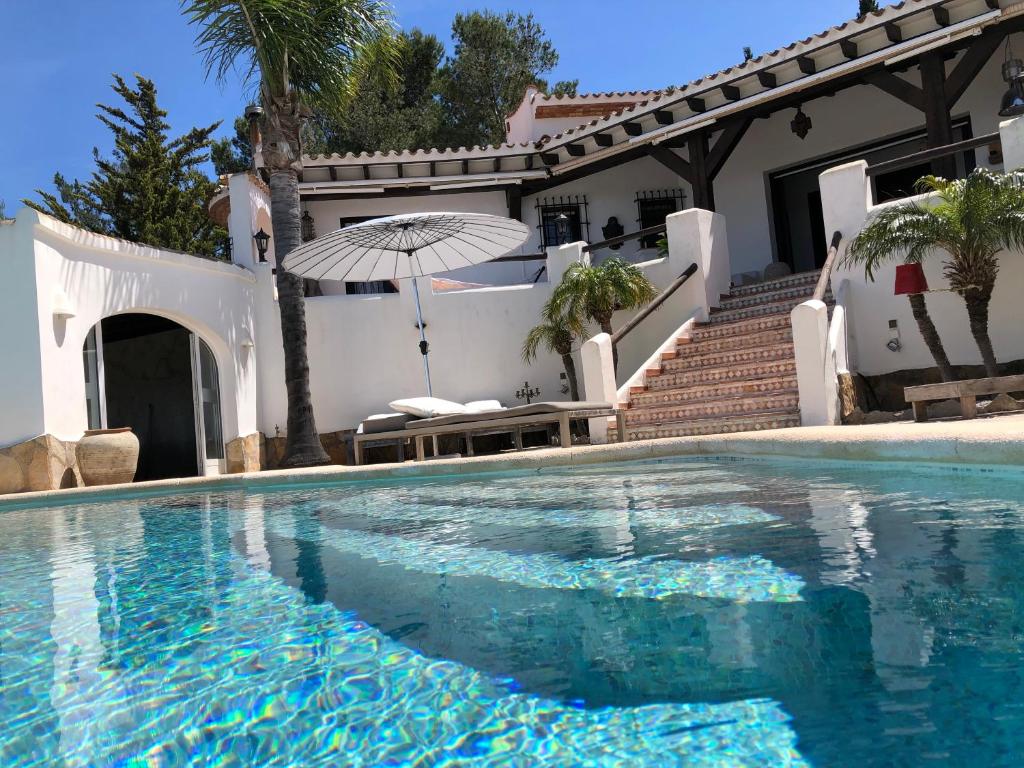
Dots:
pixel 408 245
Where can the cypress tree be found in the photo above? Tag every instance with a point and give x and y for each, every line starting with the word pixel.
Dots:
pixel 151 189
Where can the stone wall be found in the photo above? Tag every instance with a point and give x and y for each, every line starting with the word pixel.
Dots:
pixel 243 454
pixel 337 444
pixel 41 464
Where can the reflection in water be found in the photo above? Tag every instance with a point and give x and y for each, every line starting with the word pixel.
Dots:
pixel 870 617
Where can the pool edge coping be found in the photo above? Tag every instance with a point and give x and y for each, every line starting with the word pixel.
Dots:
pixel 996 442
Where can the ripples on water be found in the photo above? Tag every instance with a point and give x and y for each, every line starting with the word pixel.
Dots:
pixel 715 613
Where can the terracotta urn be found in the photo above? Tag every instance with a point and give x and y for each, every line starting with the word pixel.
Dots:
pixel 108 456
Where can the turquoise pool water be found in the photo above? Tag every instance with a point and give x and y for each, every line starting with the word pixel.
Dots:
pixel 698 613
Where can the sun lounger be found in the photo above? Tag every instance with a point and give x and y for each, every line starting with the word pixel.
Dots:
pixel 508 420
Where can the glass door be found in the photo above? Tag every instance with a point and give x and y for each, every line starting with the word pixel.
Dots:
pixel 95 400
pixel 206 384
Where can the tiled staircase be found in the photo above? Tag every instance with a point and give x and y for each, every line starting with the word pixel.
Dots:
pixel 736 373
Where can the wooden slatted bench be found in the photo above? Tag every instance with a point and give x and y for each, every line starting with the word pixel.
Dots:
pixel 965 391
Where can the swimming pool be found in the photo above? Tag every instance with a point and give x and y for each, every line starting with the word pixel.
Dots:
pixel 716 612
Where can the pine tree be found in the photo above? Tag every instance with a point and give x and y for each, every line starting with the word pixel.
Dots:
pixel 234 154
pixel 867 6
pixel 151 189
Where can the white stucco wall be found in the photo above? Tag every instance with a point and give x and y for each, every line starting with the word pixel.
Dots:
pixel 100 277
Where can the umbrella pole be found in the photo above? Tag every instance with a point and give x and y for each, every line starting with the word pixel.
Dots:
pixel 424 347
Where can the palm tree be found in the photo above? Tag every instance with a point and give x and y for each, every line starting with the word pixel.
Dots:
pixel 556 333
pixel 971 220
pixel 305 55
pixel 595 293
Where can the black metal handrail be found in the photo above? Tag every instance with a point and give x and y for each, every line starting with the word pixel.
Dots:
pixel 620 334
pixel 523 257
pixel 646 232
pixel 826 270
pixel 909 161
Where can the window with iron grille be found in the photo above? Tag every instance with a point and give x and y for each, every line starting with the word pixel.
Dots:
pixel 576 223
pixel 653 207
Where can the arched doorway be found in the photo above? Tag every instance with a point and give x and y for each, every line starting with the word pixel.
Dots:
pixel 157 377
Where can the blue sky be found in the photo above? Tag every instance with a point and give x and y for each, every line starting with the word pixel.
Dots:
pixel 58 57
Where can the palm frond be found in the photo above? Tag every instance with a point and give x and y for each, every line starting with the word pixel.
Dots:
pixel 314 49
pixel 588 292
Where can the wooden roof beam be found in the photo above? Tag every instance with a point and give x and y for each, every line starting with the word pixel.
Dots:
pixel 726 143
pixel 632 128
pixel 806 64
pixel 549 158
pixel 941 16
pixel 576 149
pixel 971 64
pixel 849 49
pixel 893 32
pixel 333 170
pixel 731 92
pixel 664 116
pixel 899 88
pixel 603 139
pixel 767 79
pixel 696 104
pixel 672 161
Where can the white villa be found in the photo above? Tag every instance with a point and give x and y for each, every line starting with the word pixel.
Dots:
pixel 747 169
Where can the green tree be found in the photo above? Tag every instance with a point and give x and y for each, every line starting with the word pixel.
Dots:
pixel 596 293
pixel 969 220
pixel 748 54
pixel 565 88
pixel 385 115
pixel 232 154
pixel 866 7
pixel 495 58
pixel 556 333
pixel 305 55
pixel 151 190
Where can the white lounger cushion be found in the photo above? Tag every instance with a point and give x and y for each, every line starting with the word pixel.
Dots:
pixel 427 407
pixel 479 406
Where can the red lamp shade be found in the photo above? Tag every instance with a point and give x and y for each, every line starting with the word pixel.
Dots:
pixel 910 279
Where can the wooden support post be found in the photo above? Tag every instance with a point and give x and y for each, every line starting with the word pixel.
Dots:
pixel 920 410
pixel 936 111
pixel 620 425
pixel 517 437
pixel 703 192
pixel 514 195
pixel 420 452
pixel 969 406
pixel 564 435
pixel 357 449
pixel 469 443
pixel 436 451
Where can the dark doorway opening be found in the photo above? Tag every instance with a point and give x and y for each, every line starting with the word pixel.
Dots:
pixel 800 237
pixel 148 382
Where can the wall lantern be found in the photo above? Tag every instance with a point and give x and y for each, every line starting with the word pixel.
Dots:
pixel 262 241
pixel 910 279
pixel 562 228
pixel 308 227
pixel 801 124
pixel 1012 103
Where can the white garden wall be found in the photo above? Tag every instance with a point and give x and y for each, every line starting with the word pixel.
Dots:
pixel 52 265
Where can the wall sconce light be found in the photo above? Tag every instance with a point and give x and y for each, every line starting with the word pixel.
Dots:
pixel 308 227
pixel 247 342
pixel 262 241
pixel 1012 103
pixel 562 228
pixel 61 305
pixel 801 124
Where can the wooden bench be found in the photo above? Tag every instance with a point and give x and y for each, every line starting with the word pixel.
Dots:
pixel 492 426
pixel 965 391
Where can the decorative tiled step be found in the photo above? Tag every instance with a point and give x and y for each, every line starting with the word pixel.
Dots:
pixel 803 278
pixel 797 294
pixel 720 317
pixel 716 426
pixel 706 331
pixel 739 341
pixel 762 354
pixel 719 407
pixel 698 393
pixel 731 373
